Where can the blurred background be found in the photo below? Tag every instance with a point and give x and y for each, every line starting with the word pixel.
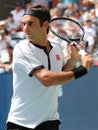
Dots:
pixel 7 5
pixel 78 99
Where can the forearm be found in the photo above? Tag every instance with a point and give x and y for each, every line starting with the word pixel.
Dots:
pixel 7 67
pixel 70 65
pixel 2 65
pixel 49 78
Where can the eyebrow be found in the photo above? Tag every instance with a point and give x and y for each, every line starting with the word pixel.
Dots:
pixel 28 23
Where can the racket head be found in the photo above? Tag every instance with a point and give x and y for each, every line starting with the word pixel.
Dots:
pixel 67 29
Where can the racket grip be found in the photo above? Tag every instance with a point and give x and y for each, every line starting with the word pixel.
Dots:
pixel 82 52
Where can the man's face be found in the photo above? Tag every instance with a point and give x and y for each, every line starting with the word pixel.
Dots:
pixel 32 28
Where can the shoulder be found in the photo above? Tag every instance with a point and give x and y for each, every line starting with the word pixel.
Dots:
pixel 22 42
pixel 21 45
pixel 56 47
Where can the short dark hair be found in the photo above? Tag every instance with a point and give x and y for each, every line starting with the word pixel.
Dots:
pixel 39 11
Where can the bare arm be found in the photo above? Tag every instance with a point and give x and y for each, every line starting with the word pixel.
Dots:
pixel 8 67
pixel 2 65
pixel 49 78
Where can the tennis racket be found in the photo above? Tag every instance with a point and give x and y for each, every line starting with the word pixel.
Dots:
pixel 69 30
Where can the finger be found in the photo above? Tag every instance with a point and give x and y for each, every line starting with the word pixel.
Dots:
pixel 82 44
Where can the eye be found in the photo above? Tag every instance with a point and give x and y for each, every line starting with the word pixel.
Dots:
pixel 23 23
pixel 30 23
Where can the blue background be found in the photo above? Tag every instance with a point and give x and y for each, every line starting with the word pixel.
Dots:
pixel 78 106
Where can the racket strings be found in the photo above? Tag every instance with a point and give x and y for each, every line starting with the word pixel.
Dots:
pixel 66 29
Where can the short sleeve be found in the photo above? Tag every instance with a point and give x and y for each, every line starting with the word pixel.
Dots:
pixel 24 60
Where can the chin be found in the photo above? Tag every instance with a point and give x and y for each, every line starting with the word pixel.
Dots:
pixel 28 38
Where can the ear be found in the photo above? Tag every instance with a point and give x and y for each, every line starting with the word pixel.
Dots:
pixel 46 24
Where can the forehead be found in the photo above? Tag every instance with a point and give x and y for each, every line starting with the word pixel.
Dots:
pixel 27 18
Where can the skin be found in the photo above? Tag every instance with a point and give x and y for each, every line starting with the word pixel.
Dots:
pixel 8 67
pixel 37 34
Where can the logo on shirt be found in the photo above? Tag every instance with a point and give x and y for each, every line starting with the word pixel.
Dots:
pixel 57 57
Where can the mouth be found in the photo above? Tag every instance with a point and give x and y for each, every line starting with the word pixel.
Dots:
pixel 27 33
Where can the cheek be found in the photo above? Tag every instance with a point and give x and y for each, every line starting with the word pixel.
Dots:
pixel 28 31
pixel 37 31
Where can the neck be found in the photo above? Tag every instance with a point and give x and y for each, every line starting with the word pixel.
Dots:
pixel 41 42
pixel 44 44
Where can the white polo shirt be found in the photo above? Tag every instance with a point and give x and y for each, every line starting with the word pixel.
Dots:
pixel 32 102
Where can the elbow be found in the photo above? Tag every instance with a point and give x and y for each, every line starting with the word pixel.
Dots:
pixel 45 77
pixel 46 81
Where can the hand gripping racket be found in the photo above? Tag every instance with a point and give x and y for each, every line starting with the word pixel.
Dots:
pixel 68 30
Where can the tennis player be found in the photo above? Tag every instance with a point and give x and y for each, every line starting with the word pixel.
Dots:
pixel 39 69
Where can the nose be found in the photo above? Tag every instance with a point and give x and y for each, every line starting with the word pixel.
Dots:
pixel 25 27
